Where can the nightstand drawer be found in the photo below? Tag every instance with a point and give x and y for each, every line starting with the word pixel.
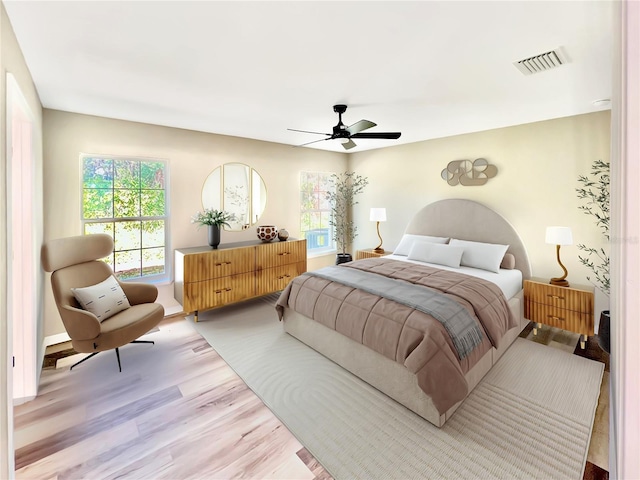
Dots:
pixel 559 297
pixel 370 253
pixel 577 322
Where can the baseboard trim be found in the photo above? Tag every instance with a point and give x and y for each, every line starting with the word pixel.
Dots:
pixel 56 339
pixel 64 337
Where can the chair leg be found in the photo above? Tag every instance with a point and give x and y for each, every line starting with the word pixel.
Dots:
pixel 118 355
pixel 84 360
pixel 133 341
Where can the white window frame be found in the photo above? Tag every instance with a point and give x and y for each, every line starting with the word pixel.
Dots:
pixel 156 279
pixel 331 246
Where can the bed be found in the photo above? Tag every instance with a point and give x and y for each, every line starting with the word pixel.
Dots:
pixel 433 363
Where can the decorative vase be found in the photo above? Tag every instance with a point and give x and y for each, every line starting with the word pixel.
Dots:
pixel 343 258
pixel 214 235
pixel 266 233
pixel 283 234
pixel 604 331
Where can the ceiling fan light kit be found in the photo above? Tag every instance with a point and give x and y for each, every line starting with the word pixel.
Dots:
pixel 345 134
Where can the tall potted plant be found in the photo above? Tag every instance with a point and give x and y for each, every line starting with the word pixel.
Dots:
pixel 594 191
pixel 213 219
pixel 342 199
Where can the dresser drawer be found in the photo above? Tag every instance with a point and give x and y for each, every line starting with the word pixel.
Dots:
pixel 276 254
pixel 277 278
pixel 218 263
pixel 559 297
pixel 218 292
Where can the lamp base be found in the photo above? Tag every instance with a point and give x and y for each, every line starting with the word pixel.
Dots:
pixel 559 282
pixel 378 250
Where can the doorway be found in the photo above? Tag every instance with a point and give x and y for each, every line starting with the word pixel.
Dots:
pixel 22 251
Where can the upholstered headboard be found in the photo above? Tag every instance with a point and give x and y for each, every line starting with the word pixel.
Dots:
pixel 469 220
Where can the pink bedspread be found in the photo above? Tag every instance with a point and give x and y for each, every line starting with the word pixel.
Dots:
pixel 408 336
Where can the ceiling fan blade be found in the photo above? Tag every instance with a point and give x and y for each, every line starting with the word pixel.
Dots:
pixel 315 141
pixel 350 144
pixel 384 135
pixel 359 126
pixel 307 131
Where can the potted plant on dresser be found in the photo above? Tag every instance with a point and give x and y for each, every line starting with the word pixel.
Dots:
pixel 595 192
pixel 213 219
pixel 342 199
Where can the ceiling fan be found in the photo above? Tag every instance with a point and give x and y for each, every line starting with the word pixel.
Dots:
pixel 346 134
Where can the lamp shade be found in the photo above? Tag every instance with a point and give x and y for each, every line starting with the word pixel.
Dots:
pixel 559 236
pixel 378 215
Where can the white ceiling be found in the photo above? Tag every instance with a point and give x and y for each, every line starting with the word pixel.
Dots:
pixel 254 69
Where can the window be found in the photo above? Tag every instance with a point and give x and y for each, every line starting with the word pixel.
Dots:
pixel 315 211
pixel 127 198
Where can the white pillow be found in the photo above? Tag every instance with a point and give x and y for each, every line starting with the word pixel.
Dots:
pixel 104 299
pixel 404 247
pixel 439 254
pixel 486 256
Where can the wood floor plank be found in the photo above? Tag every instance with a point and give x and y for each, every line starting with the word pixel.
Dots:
pixel 34 431
pixel 62 459
pixel 72 435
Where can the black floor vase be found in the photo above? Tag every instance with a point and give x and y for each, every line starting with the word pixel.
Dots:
pixel 604 331
pixel 343 258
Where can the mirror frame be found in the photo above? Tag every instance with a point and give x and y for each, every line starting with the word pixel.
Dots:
pixel 217 180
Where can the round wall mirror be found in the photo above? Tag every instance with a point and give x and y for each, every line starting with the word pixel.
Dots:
pixel 238 189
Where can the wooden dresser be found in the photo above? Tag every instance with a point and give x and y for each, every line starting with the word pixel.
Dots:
pixel 569 308
pixel 208 278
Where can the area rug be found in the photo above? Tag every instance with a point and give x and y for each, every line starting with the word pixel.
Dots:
pixel 530 417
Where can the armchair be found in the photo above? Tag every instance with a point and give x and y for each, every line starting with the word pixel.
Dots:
pixel 74 263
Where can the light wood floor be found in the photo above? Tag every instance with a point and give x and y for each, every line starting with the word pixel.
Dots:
pixel 176 411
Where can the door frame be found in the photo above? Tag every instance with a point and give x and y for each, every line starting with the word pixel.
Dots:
pixel 22 255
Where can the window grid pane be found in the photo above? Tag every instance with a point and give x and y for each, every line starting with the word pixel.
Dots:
pixel 315 210
pixel 126 199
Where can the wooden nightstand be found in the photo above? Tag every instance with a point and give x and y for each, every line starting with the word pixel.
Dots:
pixel 369 253
pixel 569 308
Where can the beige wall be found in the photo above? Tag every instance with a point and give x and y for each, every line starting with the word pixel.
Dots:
pixel 191 156
pixel 12 61
pixel 535 187
pixel 538 166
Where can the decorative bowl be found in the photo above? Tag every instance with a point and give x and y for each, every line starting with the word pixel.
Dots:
pixel 266 233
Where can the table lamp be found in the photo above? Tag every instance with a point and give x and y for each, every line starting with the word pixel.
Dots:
pixel 559 236
pixel 378 215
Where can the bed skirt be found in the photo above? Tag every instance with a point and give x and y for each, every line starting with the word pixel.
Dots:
pixel 384 374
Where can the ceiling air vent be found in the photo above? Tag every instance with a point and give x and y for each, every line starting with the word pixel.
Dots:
pixel 539 63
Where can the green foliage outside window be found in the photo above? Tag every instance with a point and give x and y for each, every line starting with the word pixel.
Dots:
pixel 126 199
pixel 315 210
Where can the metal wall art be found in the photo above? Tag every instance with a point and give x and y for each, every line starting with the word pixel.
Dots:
pixel 468 173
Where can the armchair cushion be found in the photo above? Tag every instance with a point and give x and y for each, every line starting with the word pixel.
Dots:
pixel 104 299
pixel 138 293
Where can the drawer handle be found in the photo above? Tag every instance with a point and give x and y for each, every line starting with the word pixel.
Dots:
pixel 284 276
pixel 284 253
pixel 555 297
pixel 555 318
pixel 222 263
pixel 223 290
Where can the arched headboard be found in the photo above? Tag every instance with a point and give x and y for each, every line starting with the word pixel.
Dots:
pixel 469 220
